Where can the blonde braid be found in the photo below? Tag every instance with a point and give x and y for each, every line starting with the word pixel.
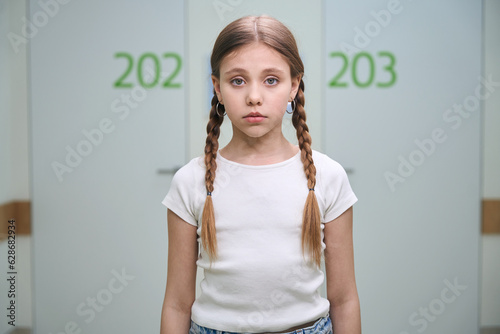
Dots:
pixel 208 235
pixel 311 219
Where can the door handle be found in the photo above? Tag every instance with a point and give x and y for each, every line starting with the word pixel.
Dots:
pixel 170 171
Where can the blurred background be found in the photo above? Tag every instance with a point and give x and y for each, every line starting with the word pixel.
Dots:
pixel 101 102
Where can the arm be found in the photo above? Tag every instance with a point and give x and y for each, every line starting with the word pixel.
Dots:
pixel 340 281
pixel 181 276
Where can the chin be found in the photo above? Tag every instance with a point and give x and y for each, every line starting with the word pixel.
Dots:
pixel 255 134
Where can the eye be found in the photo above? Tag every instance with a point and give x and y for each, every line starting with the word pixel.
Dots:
pixel 237 82
pixel 271 81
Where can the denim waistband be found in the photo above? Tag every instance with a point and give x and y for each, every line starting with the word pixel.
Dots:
pixel 321 326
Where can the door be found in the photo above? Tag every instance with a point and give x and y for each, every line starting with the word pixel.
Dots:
pixel 403 96
pixel 107 131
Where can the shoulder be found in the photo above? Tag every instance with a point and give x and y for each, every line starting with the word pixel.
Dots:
pixel 334 191
pixel 329 173
pixel 326 165
pixel 186 193
pixel 195 165
pixel 190 172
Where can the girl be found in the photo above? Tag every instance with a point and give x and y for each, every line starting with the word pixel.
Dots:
pixel 263 210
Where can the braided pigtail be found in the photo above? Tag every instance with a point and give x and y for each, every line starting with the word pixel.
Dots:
pixel 311 219
pixel 208 237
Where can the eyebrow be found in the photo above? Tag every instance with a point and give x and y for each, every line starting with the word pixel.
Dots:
pixel 242 70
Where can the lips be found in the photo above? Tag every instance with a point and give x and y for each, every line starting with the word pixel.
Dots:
pixel 254 117
pixel 254 114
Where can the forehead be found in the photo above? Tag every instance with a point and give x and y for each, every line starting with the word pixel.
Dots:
pixel 254 57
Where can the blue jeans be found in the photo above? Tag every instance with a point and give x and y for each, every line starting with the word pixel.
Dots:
pixel 322 326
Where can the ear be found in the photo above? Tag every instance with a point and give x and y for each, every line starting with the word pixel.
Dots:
pixel 216 83
pixel 295 86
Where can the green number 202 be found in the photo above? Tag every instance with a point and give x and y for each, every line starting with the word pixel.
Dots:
pixel 152 77
pixel 389 69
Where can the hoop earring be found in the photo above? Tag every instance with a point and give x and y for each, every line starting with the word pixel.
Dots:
pixel 292 103
pixel 217 110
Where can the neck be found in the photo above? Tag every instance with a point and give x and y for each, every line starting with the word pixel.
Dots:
pixel 264 150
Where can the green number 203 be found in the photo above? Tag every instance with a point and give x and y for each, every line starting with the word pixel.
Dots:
pixel 388 68
pixel 151 78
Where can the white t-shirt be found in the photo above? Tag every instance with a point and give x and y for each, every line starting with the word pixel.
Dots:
pixel 260 280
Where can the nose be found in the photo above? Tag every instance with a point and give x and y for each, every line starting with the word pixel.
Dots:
pixel 254 96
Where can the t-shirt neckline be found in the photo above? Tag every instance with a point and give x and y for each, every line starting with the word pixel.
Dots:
pixel 267 166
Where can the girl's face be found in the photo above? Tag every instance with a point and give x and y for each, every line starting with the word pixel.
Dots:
pixel 255 86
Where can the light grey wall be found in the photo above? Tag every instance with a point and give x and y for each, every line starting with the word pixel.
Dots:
pixel 14 163
pixel 490 269
pixel 13 106
pixel 5 110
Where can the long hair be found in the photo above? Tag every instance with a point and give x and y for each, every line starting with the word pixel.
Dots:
pixel 273 33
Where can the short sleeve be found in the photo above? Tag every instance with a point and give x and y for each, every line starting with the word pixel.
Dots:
pixel 181 195
pixel 338 195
